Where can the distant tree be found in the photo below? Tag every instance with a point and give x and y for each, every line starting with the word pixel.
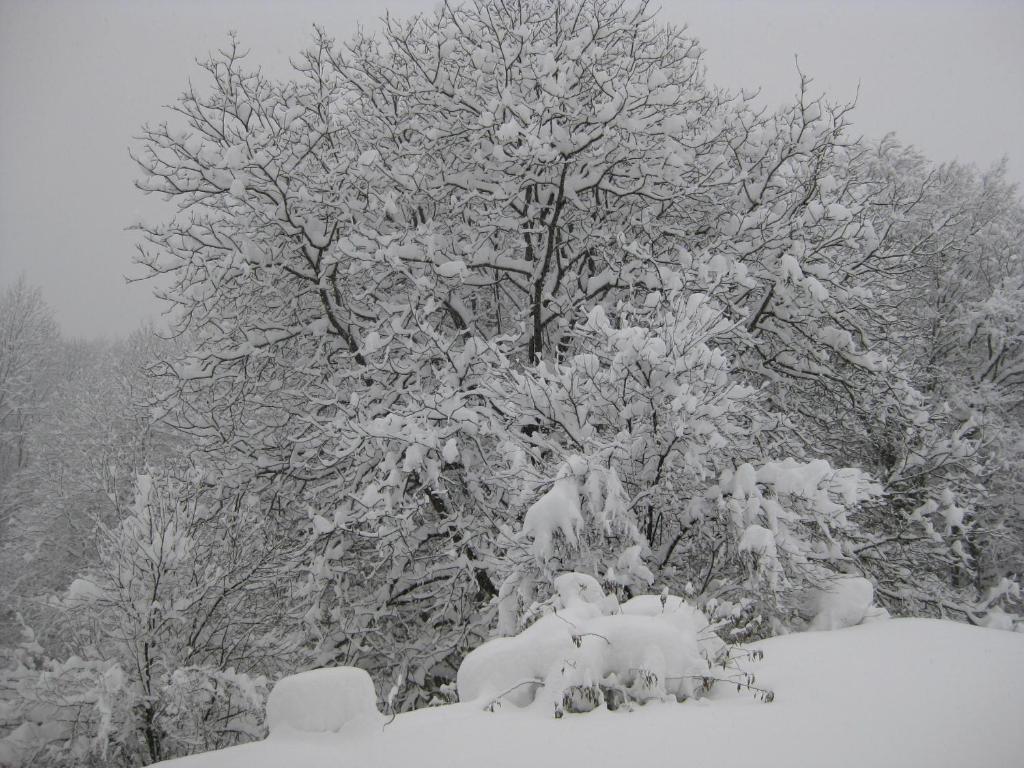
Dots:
pixel 169 637
pixel 28 340
pixel 29 345
pixel 951 462
pixel 94 435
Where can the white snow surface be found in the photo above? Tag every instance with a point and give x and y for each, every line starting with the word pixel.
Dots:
pixel 322 701
pixel 904 692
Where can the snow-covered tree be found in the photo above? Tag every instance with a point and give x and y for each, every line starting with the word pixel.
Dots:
pixel 168 638
pixel 28 337
pixel 951 460
pixel 84 446
pixel 517 254
pixel 29 347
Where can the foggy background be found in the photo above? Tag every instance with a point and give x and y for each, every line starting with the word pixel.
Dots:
pixel 78 77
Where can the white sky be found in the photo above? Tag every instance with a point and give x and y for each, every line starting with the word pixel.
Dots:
pixel 78 77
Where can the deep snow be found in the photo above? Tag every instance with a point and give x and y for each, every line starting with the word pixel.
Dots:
pixel 904 692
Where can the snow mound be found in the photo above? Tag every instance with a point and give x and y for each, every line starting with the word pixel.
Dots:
pixel 576 588
pixel 845 602
pixel 685 616
pixel 82 592
pixel 322 701
pixel 650 648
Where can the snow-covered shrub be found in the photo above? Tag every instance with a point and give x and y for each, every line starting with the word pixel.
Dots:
pixel 68 712
pixel 587 650
pixel 661 475
pixel 322 700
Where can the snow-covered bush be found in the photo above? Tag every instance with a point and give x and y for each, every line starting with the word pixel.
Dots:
pixel 322 700
pixel 587 650
pixel 656 483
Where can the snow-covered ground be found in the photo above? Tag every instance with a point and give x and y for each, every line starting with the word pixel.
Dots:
pixel 905 692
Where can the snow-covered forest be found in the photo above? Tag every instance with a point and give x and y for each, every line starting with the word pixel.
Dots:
pixel 501 317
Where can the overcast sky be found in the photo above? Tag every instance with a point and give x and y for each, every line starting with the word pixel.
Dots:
pixel 78 77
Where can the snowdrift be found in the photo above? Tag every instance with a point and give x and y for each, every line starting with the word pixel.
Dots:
pixel 904 692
